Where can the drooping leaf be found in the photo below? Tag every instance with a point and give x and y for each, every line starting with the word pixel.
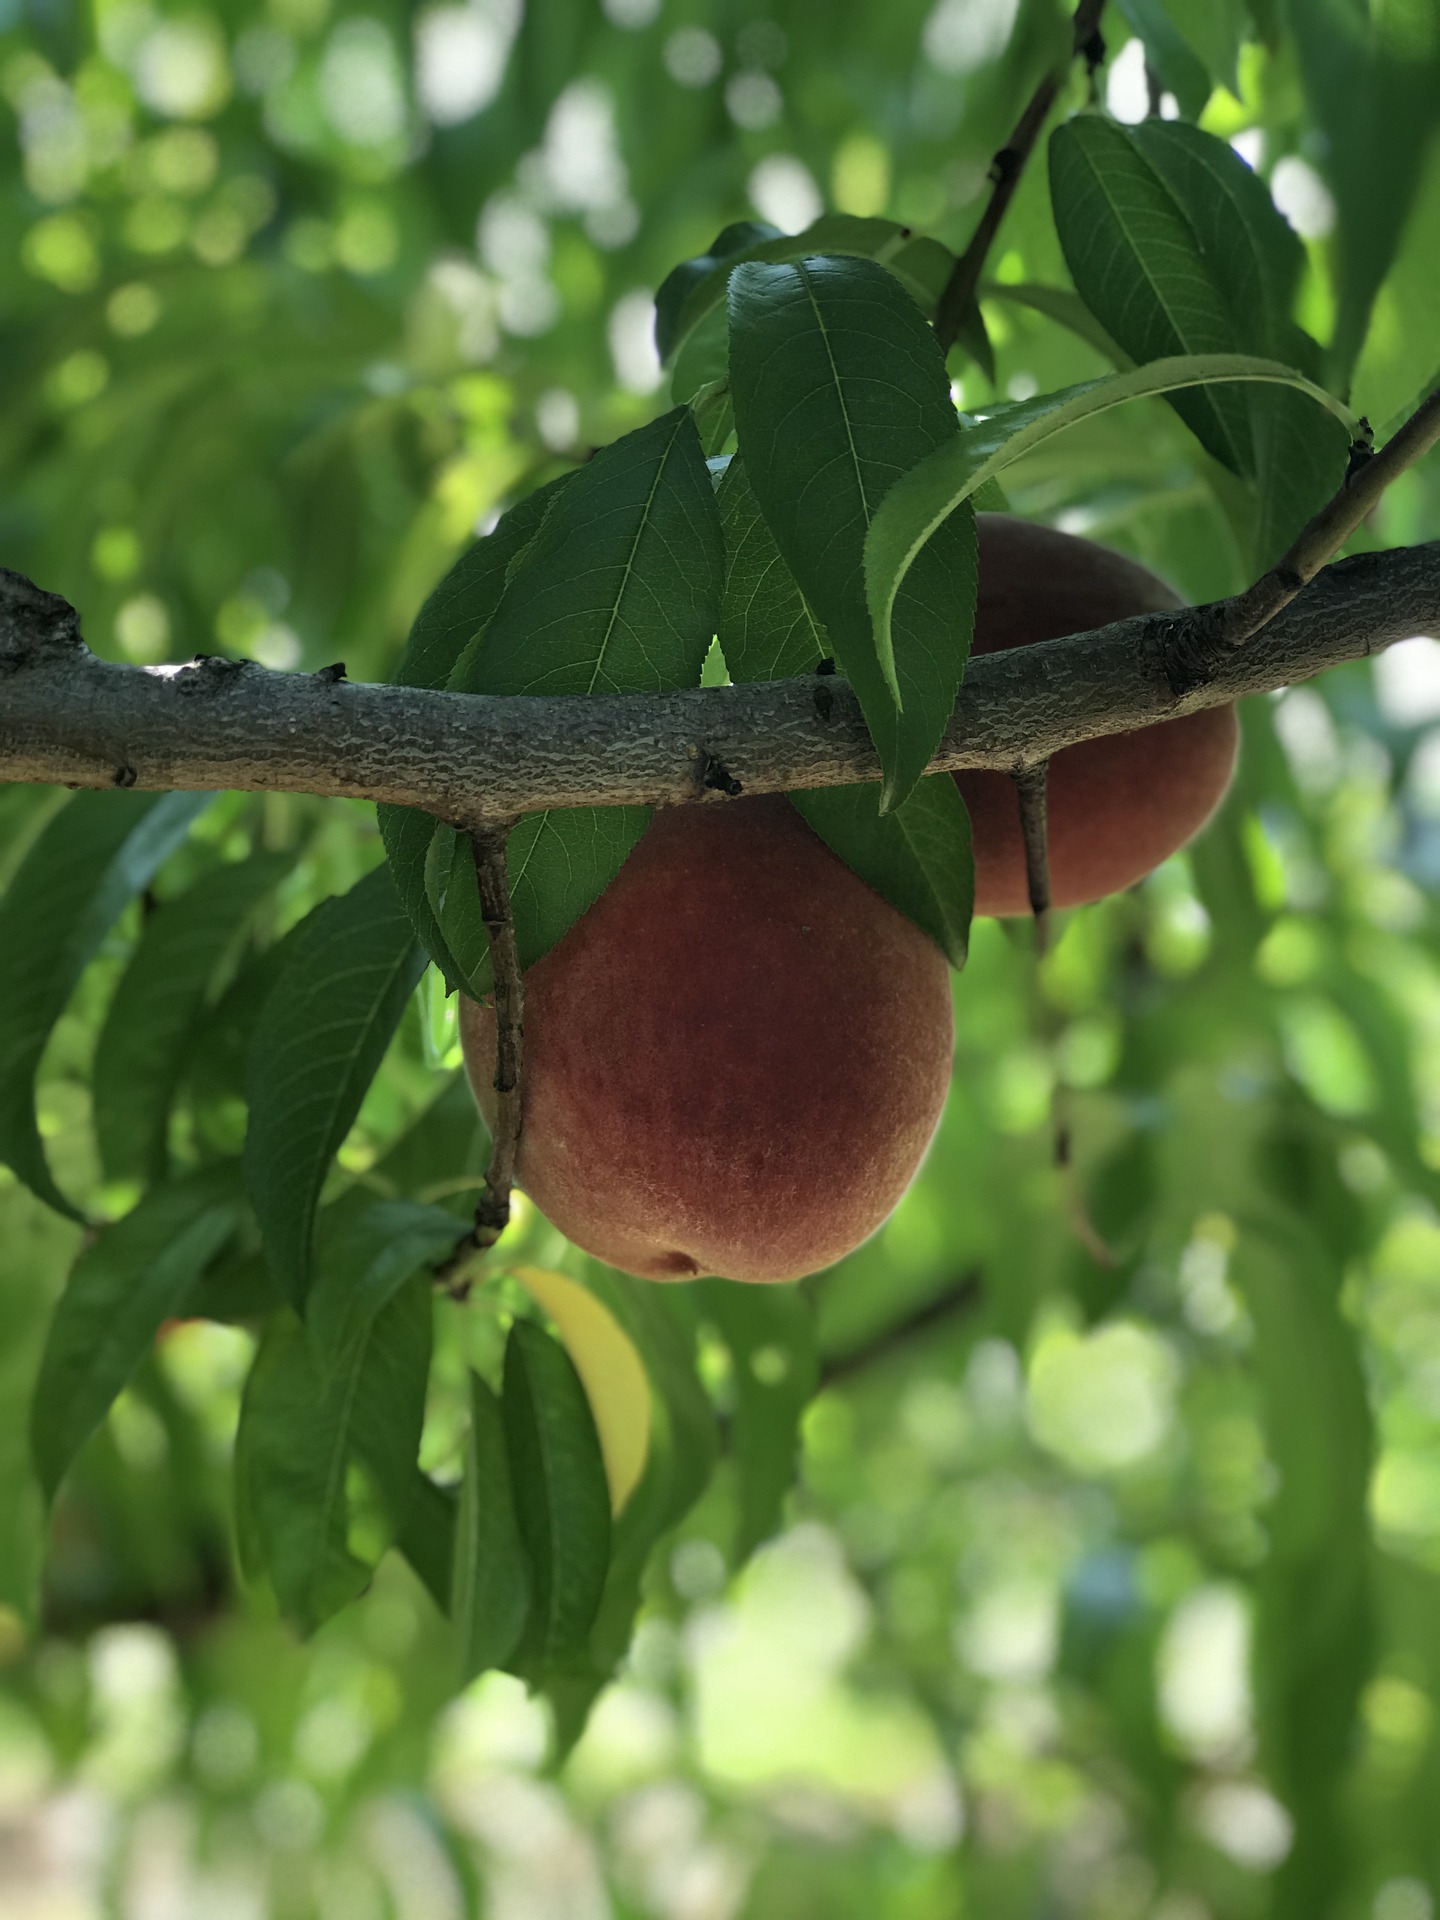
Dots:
pixel 1180 68
pixel 770 1332
pixel 611 1372
pixel 618 592
pixel 1400 360
pixel 38 1248
pixel 1372 79
pixel 451 620
pixel 490 1594
pixel 425 1533
pixel 1214 31
pixel 97 853
pixel 1313 1635
pixel 919 503
pixel 321 1035
pixel 1176 247
pixel 562 1499
pixel 301 1429
pixel 840 389
pixel 366 1249
pixel 141 1052
pixel 125 1285
pixel 917 856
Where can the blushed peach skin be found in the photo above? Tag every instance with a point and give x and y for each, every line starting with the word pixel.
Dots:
pixel 1117 806
pixel 734 1061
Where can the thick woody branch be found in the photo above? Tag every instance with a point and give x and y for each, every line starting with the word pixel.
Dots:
pixel 69 718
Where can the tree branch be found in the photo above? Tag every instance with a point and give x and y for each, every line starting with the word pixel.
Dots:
pixel 963 1293
pixel 69 718
pixel 1009 164
pixel 1359 494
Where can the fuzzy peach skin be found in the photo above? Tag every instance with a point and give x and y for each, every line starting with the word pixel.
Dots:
pixel 1117 806
pixel 734 1061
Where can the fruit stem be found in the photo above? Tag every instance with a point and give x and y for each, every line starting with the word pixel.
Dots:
pixel 1031 790
pixel 487 846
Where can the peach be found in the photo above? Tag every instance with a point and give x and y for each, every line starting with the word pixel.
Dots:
pixel 734 1061
pixel 1120 805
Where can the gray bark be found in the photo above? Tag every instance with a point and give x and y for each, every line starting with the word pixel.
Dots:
pixel 68 717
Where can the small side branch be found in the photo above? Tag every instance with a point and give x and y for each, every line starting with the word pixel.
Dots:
pixel 492 1214
pixel 1009 164
pixel 963 1294
pixel 1368 476
pixel 1032 785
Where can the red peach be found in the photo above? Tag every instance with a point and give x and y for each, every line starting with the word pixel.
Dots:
pixel 734 1061
pixel 1120 805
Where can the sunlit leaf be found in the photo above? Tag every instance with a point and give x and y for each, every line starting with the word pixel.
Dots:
pixel 562 1500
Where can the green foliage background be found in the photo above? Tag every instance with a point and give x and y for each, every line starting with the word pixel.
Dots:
pixel 1112 1591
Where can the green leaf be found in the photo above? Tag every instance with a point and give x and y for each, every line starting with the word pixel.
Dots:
pixel 1372 79
pixel 839 389
pixel 1064 307
pixel 97 853
pixel 1400 361
pixel 464 603
pixel 618 592
pixel 490 1596
pixel 1313 1647
pixel 38 1248
pixel 125 1285
pixel 1176 247
pixel 141 1053
pixel 454 617
pixel 561 1496
pixel 425 1531
pixel 321 1036
pixel 918 505
pixel 301 1429
pixel 1214 30
pixel 690 295
pixel 767 632
pixel 730 244
pixel 917 856
pixel 559 863
pixel 367 1248
pixel 770 1332
pixel 1180 69
pixel 619 589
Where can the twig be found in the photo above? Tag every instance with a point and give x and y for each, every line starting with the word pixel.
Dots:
pixel 1366 479
pixel 492 1210
pixel 957 1298
pixel 1007 167
pixel 1032 785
